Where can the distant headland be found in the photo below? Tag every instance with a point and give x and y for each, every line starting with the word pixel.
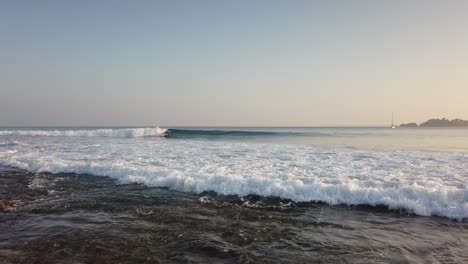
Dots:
pixel 435 122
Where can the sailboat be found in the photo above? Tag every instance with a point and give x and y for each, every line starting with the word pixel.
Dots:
pixel 393 125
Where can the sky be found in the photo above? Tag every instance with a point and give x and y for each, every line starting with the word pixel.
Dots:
pixel 232 63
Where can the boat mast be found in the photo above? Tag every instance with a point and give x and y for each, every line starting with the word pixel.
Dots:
pixel 392 125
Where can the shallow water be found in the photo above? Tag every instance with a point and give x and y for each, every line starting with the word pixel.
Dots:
pixel 84 219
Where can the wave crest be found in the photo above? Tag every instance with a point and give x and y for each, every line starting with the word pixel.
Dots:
pixel 121 132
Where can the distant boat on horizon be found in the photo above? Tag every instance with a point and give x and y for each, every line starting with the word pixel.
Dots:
pixel 392 125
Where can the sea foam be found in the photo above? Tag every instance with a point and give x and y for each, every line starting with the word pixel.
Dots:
pixel 122 132
pixel 425 183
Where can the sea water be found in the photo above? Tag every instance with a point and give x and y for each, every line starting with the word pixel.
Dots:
pixel 422 171
pixel 233 195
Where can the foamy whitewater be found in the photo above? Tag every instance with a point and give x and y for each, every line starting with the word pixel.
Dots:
pixel 123 132
pixel 299 164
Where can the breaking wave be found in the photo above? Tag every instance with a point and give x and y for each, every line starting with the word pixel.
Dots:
pixel 443 201
pixel 122 132
pixel 175 133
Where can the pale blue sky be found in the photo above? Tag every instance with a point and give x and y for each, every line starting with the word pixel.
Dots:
pixel 232 63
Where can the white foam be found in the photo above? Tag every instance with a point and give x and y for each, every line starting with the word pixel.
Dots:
pixel 426 183
pixel 123 132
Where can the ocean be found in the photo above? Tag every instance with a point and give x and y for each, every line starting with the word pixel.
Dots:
pixel 233 195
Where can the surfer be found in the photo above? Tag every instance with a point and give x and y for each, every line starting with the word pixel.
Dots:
pixel 166 133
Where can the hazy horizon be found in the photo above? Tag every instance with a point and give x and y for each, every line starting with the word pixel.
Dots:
pixel 220 63
pixel 221 126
